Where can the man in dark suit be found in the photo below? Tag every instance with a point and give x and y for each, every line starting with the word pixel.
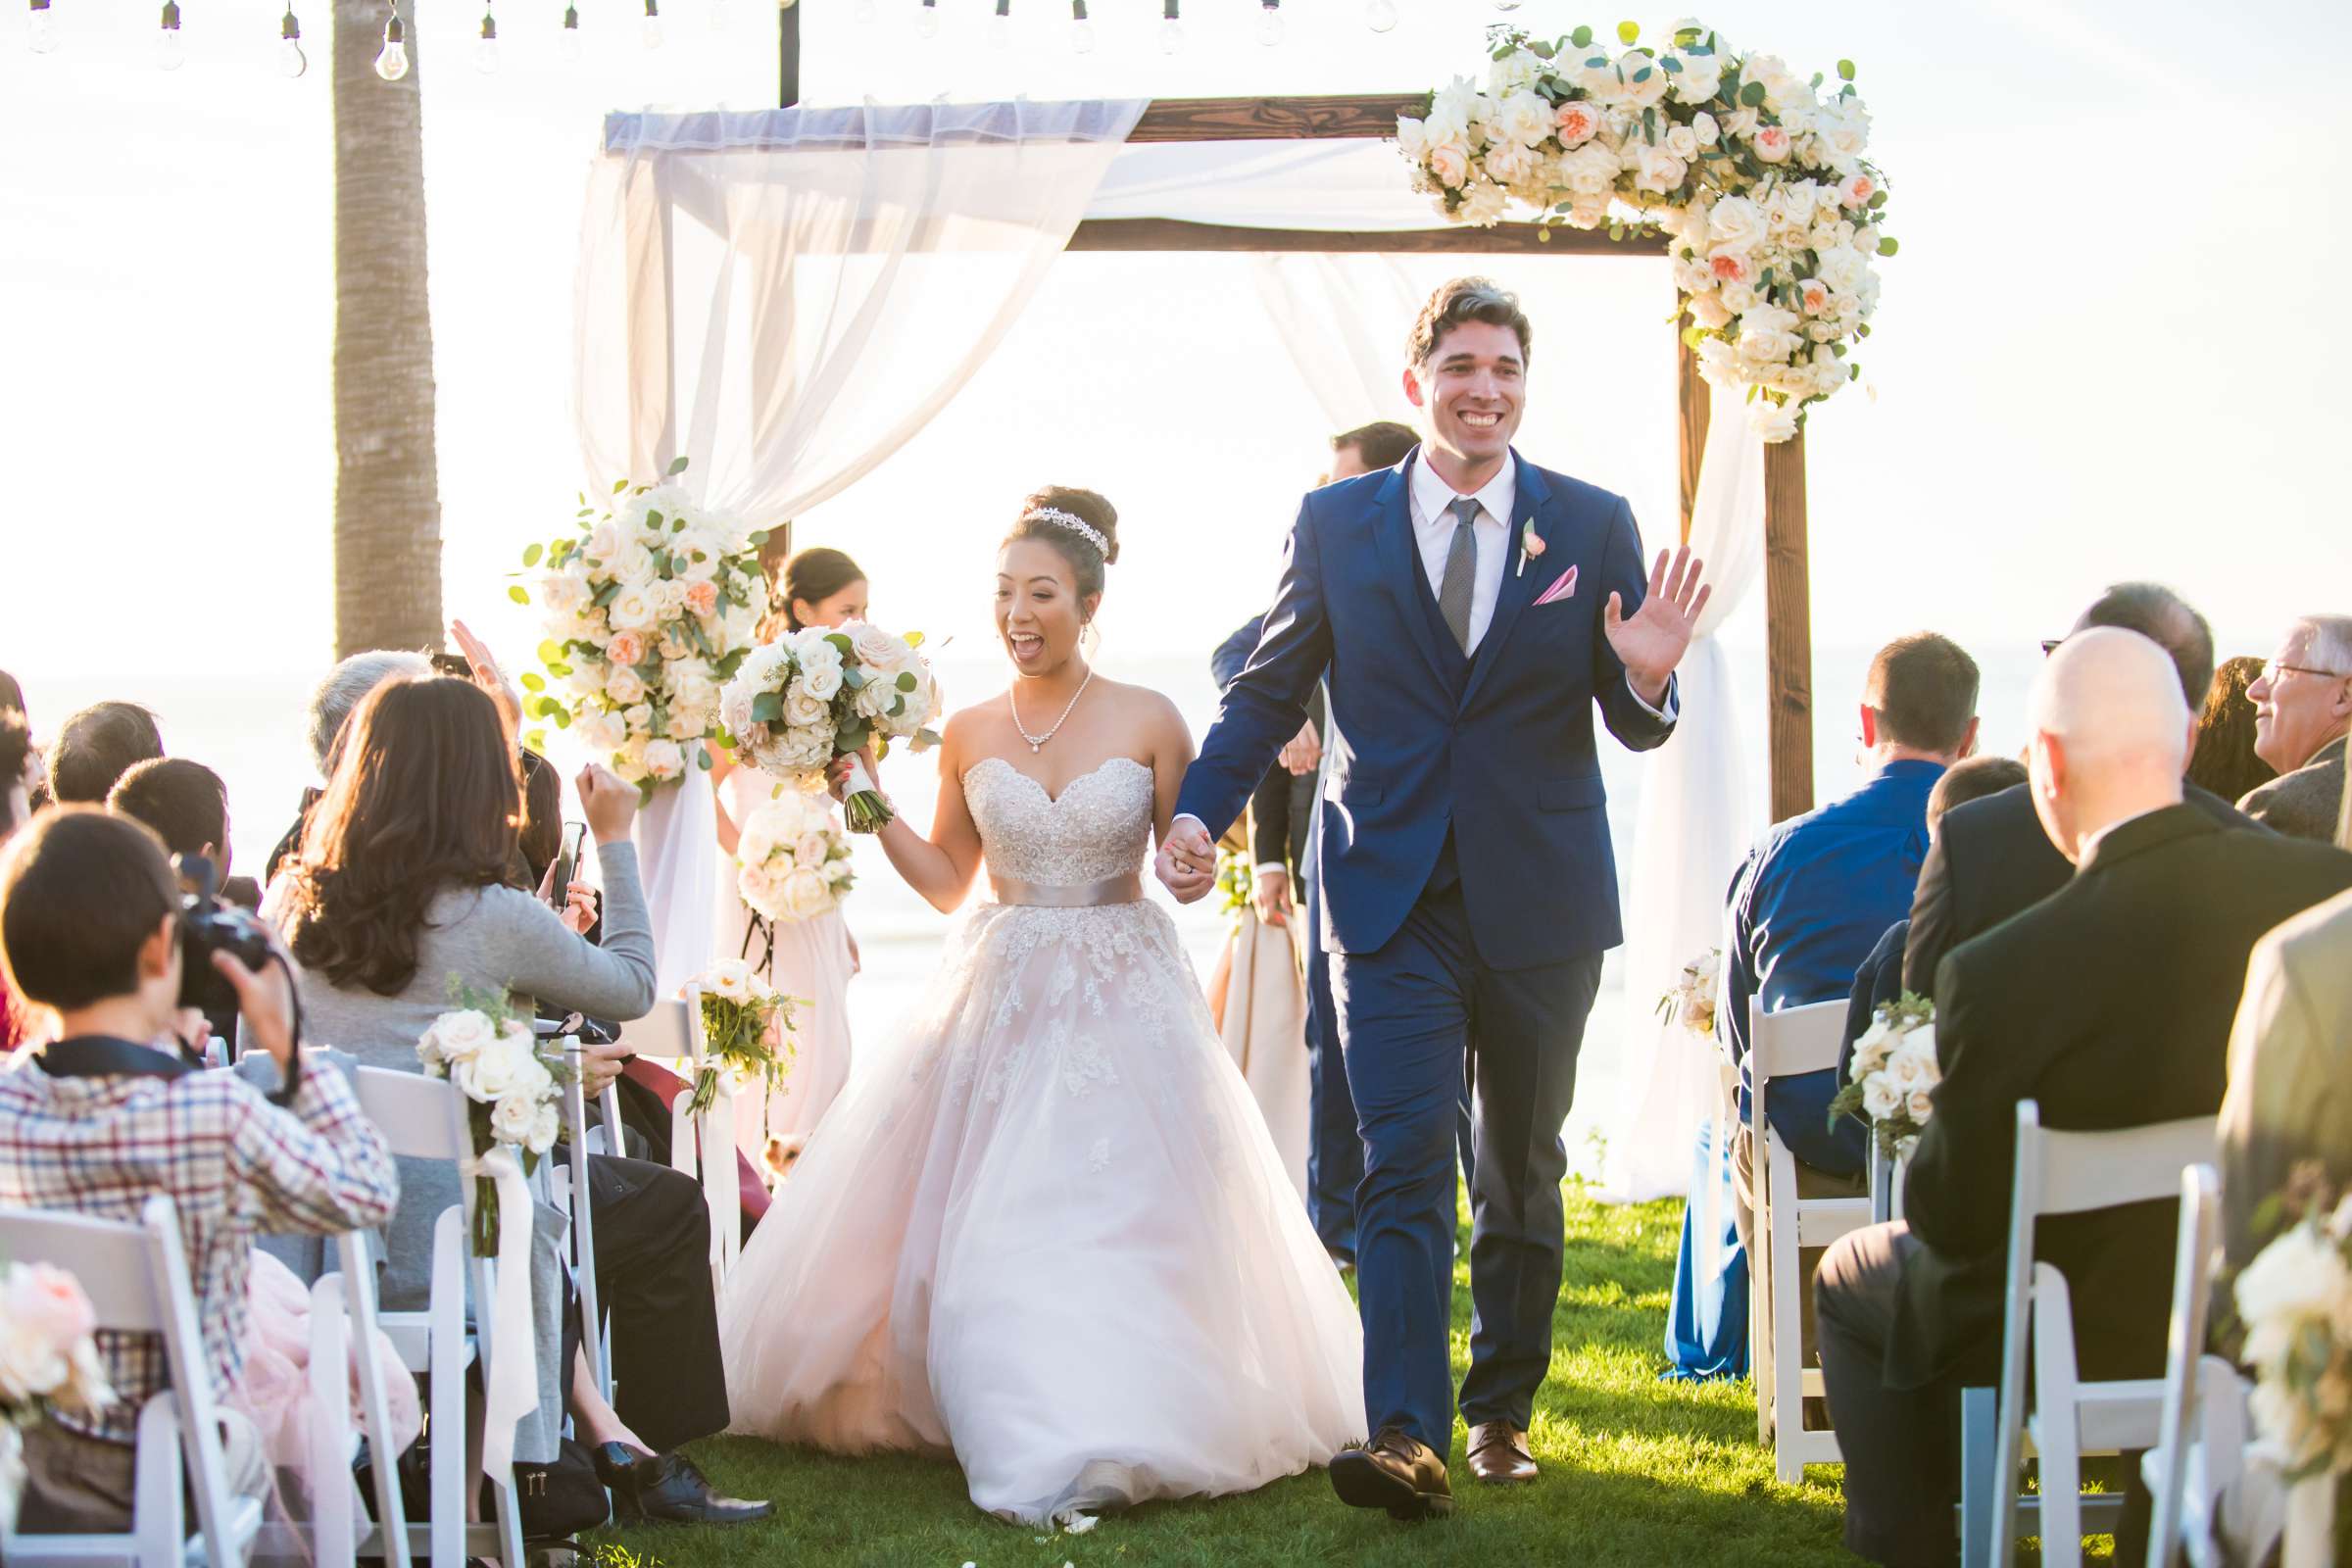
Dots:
pixel 1472 610
pixel 2110 1003
pixel 1990 860
pixel 1283 818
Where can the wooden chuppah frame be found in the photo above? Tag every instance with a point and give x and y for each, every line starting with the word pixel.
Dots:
pixel 1787 595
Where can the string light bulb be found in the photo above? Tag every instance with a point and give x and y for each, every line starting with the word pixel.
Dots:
pixel 1171 29
pixel 485 51
pixel 41 35
pixel 1082 31
pixel 291 61
pixel 653 24
pixel 999 27
pixel 1269 22
pixel 568 43
pixel 1380 16
pixel 169 53
pixel 926 22
pixel 392 61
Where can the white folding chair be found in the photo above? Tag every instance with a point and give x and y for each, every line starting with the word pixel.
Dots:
pixel 137 1277
pixel 343 1332
pixel 2195 1454
pixel 2310 1538
pixel 1782 1044
pixel 426 1118
pixel 2070 1173
pixel 701 1146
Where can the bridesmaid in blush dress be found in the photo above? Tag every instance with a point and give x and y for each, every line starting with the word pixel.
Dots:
pixel 813 960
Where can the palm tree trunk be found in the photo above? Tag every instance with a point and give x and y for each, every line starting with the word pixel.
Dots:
pixel 388 493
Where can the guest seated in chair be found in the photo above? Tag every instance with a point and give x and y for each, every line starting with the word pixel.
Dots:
pixel 102 1118
pixel 97 747
pixel 2302 713
pixel 1990 858
pixel 184 804
pixel 1880 980
pixel 2110 1003
pixel 398 895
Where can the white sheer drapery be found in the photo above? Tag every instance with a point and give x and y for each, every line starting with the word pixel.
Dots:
pixel 784 298
pixel 1347 187
pixel 1342 318
pixel 1694 827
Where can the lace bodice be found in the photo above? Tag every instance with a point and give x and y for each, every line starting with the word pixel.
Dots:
pixel 1096 828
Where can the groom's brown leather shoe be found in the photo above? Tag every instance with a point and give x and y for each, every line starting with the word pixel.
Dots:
pixel 1498 1453
pixel 1395 1471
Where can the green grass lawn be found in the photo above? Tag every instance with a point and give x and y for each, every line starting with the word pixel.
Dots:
pixel 1635 1471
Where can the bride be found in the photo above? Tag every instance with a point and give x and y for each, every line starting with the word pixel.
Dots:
pixel 1047 1232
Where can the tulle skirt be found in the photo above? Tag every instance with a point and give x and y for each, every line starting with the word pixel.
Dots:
pixel 1046 1234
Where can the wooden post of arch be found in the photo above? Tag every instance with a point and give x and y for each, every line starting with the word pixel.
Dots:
pixel 1788 628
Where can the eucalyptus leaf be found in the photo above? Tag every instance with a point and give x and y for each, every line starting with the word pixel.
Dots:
pixel 1582 37
pixel 1628 31
pixel 1845 69
pixel 1753 94
pixel 518 596
pixel 906 681
pixel 701 757
pixel 1888 245
pixel 531 555
pixel 767 707
pixel 533 681
pixel 618 485
pixel 757 536
pixel 678 464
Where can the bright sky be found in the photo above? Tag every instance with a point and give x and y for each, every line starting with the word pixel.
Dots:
pixel 2096 355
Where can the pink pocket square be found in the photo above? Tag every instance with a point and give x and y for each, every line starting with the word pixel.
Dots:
pixel 1565 588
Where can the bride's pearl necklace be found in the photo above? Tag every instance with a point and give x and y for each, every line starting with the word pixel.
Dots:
pixel 1036 742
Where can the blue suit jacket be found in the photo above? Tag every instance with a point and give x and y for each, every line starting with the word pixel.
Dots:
pixel 1498 748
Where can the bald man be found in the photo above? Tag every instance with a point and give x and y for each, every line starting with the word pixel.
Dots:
pixel 2109 1003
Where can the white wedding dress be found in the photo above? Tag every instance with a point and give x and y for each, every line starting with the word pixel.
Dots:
pixel 1047 1231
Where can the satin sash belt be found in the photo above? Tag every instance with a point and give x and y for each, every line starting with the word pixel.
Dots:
pixel 1126 889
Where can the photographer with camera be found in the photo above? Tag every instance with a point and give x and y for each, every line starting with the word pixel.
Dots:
pixel 94 929
pixel 184 804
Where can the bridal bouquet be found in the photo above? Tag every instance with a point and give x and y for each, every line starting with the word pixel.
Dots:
pixel 649 608
pixel 48 1361
pixel 792 863
pixel 1756 176
pixel 512 1079
pixel 1893 1071
pixel 2295 1302
pixel 821 693
pixel 1692 1001
pixel 746 1031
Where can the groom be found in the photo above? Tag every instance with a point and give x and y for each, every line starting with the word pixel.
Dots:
pixel 1471 610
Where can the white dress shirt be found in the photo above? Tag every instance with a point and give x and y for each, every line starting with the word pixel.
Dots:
pixel 1434 526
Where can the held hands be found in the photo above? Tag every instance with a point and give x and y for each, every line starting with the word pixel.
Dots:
pixel 1187 861
pixel 608 801
pixel 1652 643
pixel 1303 754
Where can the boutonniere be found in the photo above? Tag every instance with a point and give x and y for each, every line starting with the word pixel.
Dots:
pixel 1531 544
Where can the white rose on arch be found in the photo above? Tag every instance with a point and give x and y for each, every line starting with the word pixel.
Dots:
pixel 1699 78
pixel 1658 170
pixel 1484 203
pixel 1774 423
pixel 1449 162
pixel 1524 118
pixel 1646 80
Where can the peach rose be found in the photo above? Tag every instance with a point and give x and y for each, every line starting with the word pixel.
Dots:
pixel 1730 266
pixel 626 648
pixel 1814 295
pixel 1772 144
pixel 1579 123
pixel 1856 190
pixel 702 596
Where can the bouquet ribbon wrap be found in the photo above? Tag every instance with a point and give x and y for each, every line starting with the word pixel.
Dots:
pixel 864 802
pixel 511 1382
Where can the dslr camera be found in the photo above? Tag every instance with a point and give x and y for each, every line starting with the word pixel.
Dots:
pixel 207 926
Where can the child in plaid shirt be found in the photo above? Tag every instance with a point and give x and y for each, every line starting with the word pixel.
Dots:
pixel 109 1114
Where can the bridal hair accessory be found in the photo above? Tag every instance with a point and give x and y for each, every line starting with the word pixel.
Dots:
pixel 1077 526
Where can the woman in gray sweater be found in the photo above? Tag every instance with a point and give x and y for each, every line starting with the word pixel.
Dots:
pixel 395 905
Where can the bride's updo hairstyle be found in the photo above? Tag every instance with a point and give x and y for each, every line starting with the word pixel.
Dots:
pixel 1046 517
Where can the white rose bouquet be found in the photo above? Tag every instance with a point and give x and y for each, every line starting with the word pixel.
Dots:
pixel 510 1077
pixel 649 608
pixel 1691 1001
pixel 2295 1303
pixel 792 863
pixel 1893 1073
pixel 747 1032
pixel 821 693
pixel 1757 178
pixel 48 1361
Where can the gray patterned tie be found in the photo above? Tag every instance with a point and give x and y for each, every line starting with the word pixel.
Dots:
pixel 1461 570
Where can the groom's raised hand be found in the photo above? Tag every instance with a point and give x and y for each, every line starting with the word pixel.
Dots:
pixel 1653 640
pixel 1186 862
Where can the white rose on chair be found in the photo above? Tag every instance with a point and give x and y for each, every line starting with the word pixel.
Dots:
pixel 48 1361
pixel 1692 1001
pixel 2295 1300
pixel 1893 1075
pixel 512 1079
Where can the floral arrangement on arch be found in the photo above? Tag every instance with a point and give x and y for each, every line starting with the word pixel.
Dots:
pixel 48 1361
pixel 511 1080
pixel 1757 176
pixel 1894 1071
pixel 747 1033
pixel 648 608
pixel 1691 1002
pixel 792 863
pixel 823 692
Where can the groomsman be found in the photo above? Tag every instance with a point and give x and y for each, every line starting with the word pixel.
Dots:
pixel 1335 1155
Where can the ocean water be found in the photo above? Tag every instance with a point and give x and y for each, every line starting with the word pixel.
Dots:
pixel 250 729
